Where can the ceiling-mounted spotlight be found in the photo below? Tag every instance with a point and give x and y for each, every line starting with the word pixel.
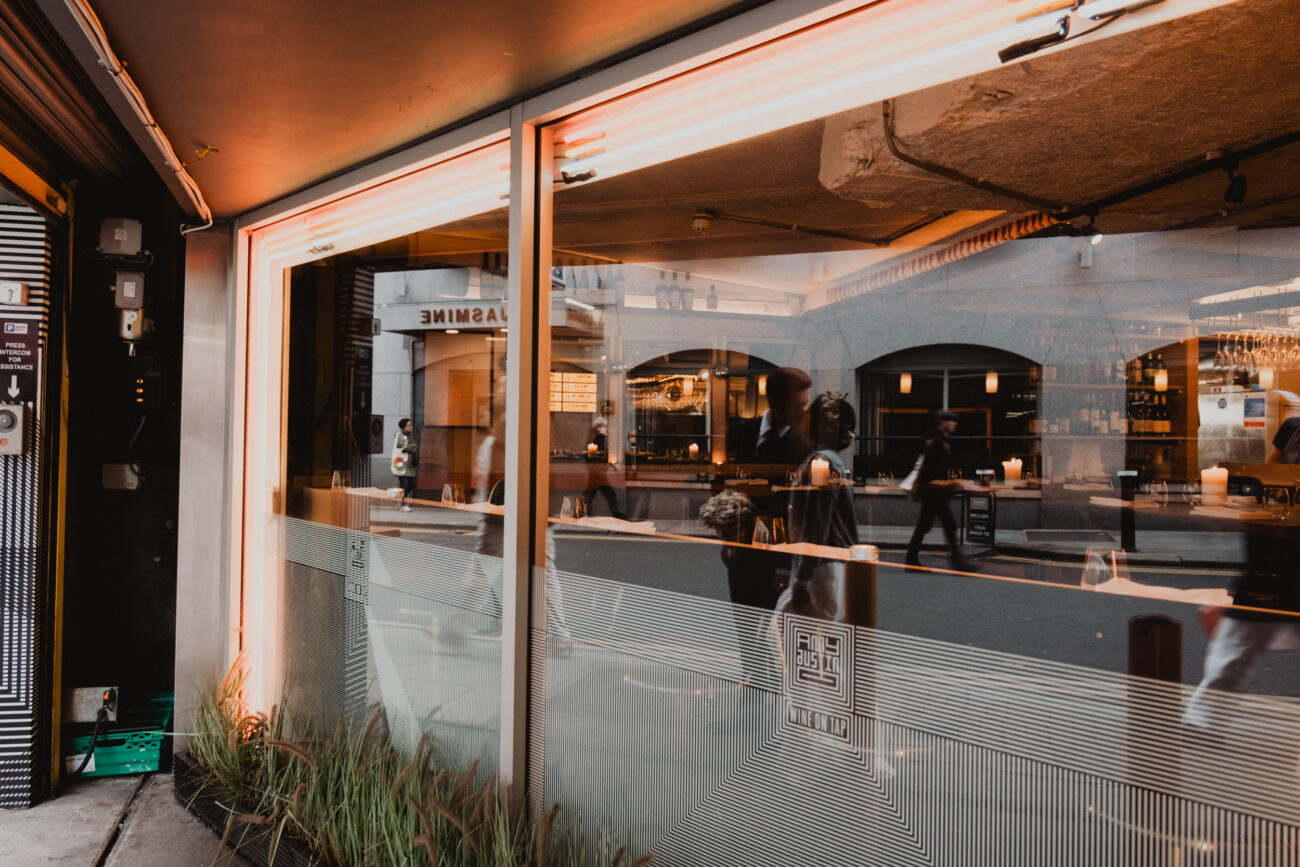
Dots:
pixel 1047 32
pixel 702 221
pixel 1091 232
pixel 1235 194
pixel 1099 9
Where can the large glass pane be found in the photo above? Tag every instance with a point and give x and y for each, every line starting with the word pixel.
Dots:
pixel 390 526
pixel 892 509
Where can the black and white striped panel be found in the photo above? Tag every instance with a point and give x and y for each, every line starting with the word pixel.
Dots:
pixel 948 755
pixel 24 706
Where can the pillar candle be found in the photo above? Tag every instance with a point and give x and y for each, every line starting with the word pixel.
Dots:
pixel 591 450
pixel 1011 470
pixel 1214 486
pixel 694 450
pixel 820 470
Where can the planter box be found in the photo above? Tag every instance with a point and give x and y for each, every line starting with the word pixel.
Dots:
pixel 209 801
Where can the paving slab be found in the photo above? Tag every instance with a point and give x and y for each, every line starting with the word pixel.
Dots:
pixel 68 829
pixel 159 832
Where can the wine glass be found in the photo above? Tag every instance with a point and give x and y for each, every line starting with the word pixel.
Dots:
pixel 1279 501
pixel 566 508
pixel 762 533
pixel 448 494
pixel 778 531
pixel 1192 492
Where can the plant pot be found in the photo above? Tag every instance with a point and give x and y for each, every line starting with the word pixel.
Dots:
pixel 210 803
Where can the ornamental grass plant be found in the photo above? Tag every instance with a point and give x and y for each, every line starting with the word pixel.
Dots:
pixel 356 801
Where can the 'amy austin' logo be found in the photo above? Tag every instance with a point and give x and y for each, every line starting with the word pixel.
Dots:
pixel 818 676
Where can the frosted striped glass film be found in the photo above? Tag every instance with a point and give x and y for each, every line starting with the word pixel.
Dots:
pixel 376 620
pixel 909 751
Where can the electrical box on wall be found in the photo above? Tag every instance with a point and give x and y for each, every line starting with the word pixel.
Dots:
pixel 119 236
pixel 12 428
pixel 128 290
pixel 83 704
pixel 119 477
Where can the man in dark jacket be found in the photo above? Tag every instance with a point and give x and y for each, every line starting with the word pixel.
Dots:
pixel 934 491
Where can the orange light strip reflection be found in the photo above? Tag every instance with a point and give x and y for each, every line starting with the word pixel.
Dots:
pixel 436 194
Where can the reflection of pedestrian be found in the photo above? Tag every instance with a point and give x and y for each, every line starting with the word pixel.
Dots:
pixel 777 443
pixel 488 478
pixel 1242 636
pixel 822 515
pixel 406 460
pixel 776 437
pixel 598 469
pixel 934 491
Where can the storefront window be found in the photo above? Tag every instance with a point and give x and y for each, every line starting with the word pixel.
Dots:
pixel 1016 335
pixel 388 524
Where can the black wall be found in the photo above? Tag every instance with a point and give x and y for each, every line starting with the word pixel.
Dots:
pixel 120 578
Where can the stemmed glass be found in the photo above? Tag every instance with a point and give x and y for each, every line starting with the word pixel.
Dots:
pixel 762 533
pixel 1278 501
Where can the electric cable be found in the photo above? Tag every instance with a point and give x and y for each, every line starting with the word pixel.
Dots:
pixel 94 32
pixel 94 736
pixel 130 448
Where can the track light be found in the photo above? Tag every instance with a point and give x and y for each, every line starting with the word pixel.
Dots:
pixel 1048 32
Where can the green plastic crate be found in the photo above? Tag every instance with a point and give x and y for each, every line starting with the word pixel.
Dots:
pixel 135 744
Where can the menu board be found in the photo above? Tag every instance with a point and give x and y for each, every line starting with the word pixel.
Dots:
pixel 573 392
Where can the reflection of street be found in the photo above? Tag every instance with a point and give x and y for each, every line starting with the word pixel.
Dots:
pixel 1044 620
pixel 647 729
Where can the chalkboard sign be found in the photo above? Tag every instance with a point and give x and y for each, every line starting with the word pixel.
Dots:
pixel 981 519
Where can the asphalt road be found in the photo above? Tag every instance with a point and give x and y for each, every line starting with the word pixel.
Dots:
pixel 1014 605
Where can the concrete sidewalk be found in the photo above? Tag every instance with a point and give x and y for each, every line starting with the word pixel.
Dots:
pixel 131 821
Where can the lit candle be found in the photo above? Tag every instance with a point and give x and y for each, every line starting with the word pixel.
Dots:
pixel 820 470
pixel 694 450
pixel 1011 470
pixel 591 450
pixel 1214 486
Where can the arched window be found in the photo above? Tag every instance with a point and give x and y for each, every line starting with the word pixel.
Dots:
pixel 993 392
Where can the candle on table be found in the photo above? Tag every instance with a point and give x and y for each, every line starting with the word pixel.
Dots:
pixel 694 451
pixel 1214 486
pixel 1011 470
pixel 591 450
pixel 820 470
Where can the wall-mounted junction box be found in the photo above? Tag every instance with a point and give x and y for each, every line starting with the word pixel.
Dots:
pixel 12 430
pixel 81 705
pixel 119 477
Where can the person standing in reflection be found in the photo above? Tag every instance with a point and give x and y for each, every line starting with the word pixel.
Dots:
pixel 822 514
pixel 488 483
pixel 934 490
pixel 406 460
pixel 598 469
pixel 775 443
pixel 1240 636
pixel 777 438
